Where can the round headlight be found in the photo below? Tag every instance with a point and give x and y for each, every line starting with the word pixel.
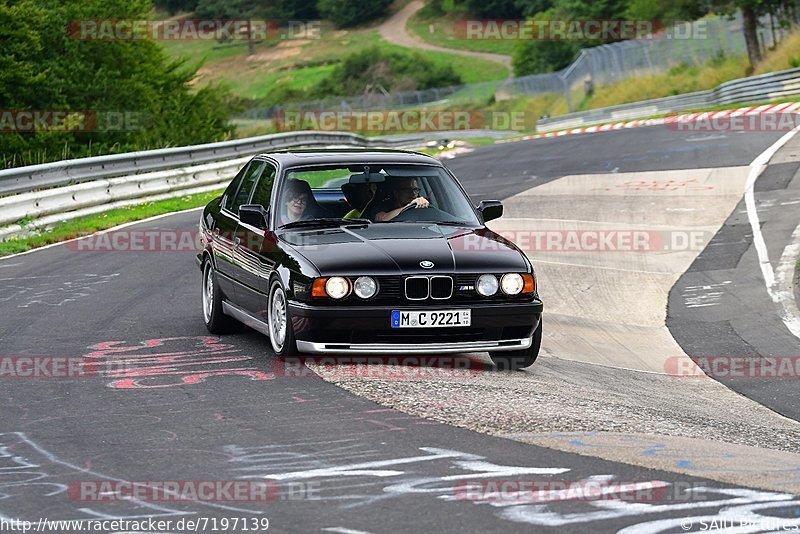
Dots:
pixel 512 284
pixel 486 285
pixel 337 287
pixel 365 287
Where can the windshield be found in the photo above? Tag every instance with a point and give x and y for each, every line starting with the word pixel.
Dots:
pixel 374 192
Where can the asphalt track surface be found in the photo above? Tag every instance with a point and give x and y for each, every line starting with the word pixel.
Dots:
pixel 168 402
pixel 719 309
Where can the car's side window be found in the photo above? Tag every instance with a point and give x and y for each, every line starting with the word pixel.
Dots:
pixel 249 180
pixel 230 191
pixel 263 190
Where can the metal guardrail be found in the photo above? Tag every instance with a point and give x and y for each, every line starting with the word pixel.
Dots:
pixel 53 192
pixel 74 171
pixel 62 173
pixel 764 87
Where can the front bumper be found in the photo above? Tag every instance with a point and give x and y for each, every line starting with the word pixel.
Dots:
pixel 309 347
pixel 367 330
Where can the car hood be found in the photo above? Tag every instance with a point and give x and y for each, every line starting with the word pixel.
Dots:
pixel 393 248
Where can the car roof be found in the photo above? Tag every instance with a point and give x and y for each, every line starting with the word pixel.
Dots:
pixel 347 156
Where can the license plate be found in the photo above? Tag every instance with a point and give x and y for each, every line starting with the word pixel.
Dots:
pixel 431 319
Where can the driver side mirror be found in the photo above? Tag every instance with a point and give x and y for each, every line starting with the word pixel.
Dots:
pixel 490 209
pixel 254 215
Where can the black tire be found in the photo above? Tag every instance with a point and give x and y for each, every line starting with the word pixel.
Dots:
pixel 519 359
pixel 216 321
pixel 278 316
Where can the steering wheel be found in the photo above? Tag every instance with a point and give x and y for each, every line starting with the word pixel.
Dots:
pixel 423 214
pixel 409 206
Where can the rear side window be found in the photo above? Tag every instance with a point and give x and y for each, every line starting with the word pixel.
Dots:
pixel 263 191
pixel 248 181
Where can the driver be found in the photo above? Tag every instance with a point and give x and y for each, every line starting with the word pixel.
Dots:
pixel 405 194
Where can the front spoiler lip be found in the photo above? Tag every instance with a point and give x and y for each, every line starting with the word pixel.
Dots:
pixel 310 347
pixel 304 309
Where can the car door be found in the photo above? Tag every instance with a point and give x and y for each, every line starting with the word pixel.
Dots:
pixel 255 253
pixel 225 238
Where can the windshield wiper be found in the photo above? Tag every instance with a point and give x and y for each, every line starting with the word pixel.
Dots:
pixel 325 221
pixel 447 223
pixel 357 221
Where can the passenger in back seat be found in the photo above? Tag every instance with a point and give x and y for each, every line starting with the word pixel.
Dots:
pixel 298 203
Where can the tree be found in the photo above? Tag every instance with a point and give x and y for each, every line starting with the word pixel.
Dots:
pixel 19 73
pixel 347 13
pixel 174 6
pixel 54 70
pixel 538 56
pixel 751 11
pixel 495 9
pixel 591 9
pixel 666 12
pixel 276 10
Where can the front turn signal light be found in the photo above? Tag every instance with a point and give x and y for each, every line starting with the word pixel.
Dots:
pixel 529 283
pixel 318 288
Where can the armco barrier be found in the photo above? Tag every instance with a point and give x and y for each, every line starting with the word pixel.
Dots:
pixel 65 190
pixel 763 87
pixel 37 204
pixel 68 172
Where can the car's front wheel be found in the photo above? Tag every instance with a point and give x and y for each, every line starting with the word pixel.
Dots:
pixel 281 333
pixel 519 359
pixel 216 321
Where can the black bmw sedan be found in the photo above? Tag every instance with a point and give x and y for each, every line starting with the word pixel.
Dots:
pixel 364 251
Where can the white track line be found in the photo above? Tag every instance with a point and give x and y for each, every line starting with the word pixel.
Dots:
pixel 780 294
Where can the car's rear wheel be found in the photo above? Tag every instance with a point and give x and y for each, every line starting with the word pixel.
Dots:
pixel 216 321
pixel 519 359
pixel 281 333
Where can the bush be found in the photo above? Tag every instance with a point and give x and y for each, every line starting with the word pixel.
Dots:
pixel 347 13
pixel 534 57
pixel 375 69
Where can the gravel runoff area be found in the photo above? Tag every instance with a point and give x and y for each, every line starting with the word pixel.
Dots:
pixel 556 395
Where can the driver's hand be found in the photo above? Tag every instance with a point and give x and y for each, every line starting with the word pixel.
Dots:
pixel 420 202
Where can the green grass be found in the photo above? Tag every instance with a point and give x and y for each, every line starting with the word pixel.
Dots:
pixel 680 79
pixel 102 221
pixel 317 179
pixel 302 63
pixel 445 34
